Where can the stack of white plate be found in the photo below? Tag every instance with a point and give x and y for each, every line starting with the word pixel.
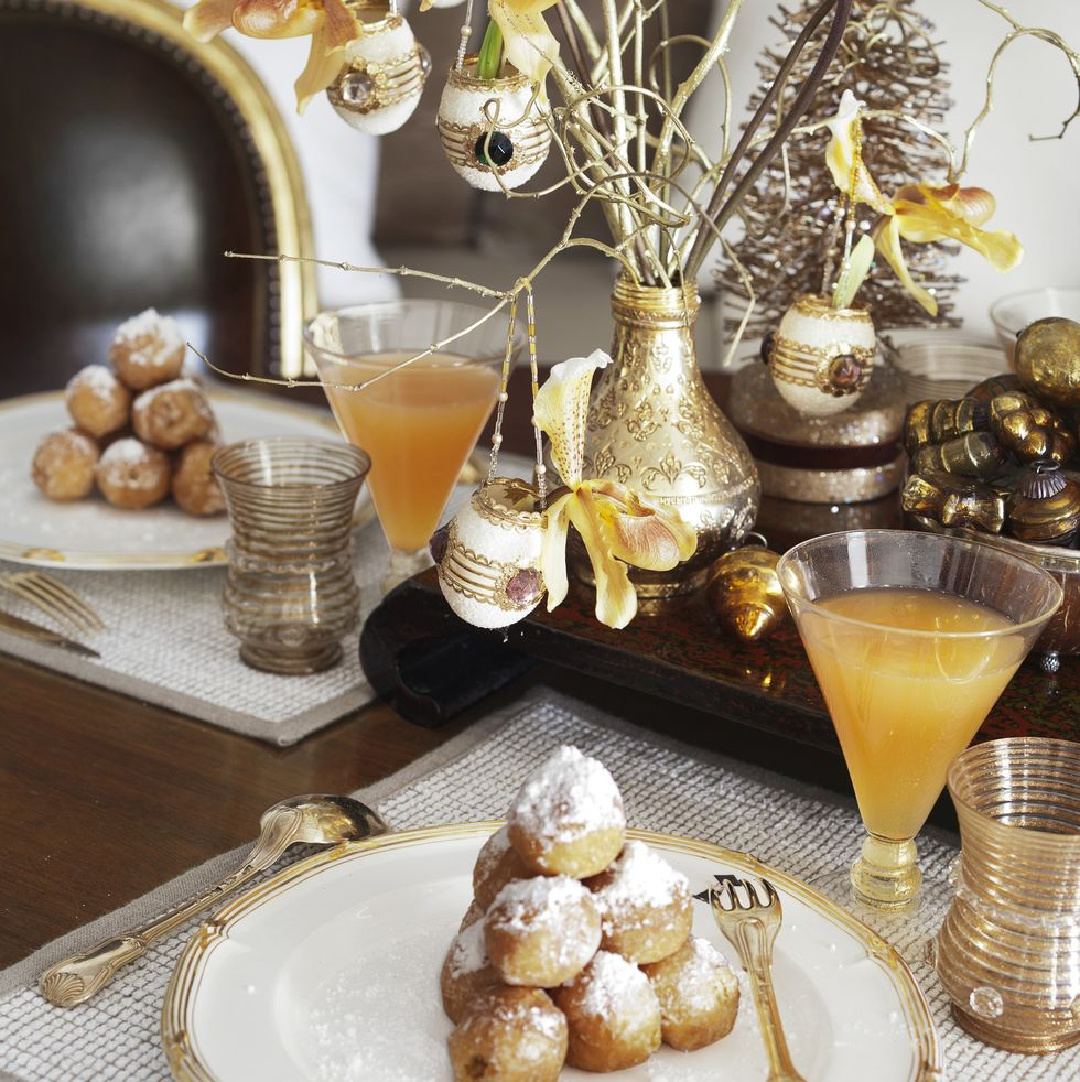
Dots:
pixel 945 367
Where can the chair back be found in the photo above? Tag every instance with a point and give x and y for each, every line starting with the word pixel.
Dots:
pixel 134 157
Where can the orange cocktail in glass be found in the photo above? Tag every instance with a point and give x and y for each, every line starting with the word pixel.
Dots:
pixel 912 638
pixel 418 422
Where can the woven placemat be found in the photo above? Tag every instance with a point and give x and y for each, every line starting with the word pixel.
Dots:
pixel 165 643
pixel 667 787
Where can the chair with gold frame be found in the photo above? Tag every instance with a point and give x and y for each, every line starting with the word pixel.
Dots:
pixel 134 157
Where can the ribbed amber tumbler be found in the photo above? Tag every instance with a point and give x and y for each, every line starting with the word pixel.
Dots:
pixel 291 595
pixel 1008 952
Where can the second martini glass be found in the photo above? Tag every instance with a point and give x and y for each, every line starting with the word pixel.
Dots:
pixel 418 424
pixel 912 638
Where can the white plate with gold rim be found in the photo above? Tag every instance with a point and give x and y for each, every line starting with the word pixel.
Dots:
pixel 330 970
pixel 89 534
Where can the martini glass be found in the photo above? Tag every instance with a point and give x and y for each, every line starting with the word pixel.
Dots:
pixel 912 638
pixel 418 424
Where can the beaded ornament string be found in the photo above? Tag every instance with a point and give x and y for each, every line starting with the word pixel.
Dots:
pixel 534 381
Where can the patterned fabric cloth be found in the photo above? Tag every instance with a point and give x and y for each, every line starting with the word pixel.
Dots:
pixel 666 786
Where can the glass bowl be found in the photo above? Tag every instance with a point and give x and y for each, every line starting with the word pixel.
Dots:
pixel 1012 313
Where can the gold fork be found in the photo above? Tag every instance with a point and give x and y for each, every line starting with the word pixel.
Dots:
pixel 54 598
pixel 751 926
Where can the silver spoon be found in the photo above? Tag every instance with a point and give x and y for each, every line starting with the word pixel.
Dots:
pixel 312 819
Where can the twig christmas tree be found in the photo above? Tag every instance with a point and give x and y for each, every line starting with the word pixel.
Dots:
pixel 889 60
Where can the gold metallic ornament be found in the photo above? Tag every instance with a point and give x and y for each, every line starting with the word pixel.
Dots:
pixel 954 501
pixel 1048 360
pixel 977 454
pixel 1045 508
pixel 1030 431
pixel 937 422
pixel 993 386
pixel 745 591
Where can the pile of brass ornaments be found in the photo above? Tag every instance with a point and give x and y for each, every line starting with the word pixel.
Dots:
pixel 1003 464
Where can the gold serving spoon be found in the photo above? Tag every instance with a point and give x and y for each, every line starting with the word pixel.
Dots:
pixel 313 819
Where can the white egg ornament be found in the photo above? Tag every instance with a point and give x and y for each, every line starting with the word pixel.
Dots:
pixel 385 69
pixel 488 555
pixel 493 130
pixel 820 357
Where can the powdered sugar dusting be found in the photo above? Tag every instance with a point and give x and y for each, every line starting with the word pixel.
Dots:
pixel 495 847
pixel 534 1020
pixel 149 337
pixel 617 991
pixel 124 453
pixel 538 903
pixel 567 796
pixel 129 462
pixel 703 976
pixel 556 910
pixel 95 378
pixel 468 953
pixel 641 878
pixel 174 386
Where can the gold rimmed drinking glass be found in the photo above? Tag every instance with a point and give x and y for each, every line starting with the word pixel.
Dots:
pixel 419 423
pixel 1008 952
pixel 291 593
pixel 912 638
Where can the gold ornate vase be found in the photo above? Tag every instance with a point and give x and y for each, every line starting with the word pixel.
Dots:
pixel 653 426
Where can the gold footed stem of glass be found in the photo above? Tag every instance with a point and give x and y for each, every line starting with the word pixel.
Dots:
pixel 885 876
pixel 402 567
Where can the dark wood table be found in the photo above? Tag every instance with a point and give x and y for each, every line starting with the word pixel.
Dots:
pixel 103 797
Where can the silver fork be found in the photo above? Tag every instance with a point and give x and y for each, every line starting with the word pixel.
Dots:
pixel 54 598
pixel 751 926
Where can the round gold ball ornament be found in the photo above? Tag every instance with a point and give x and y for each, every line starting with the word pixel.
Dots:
pixel 385 69
pixel 1048 360
pixel 820 357
pixel 745 592
pixel 488 555
pixel 494 131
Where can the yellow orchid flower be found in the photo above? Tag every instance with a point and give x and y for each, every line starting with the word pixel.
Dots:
pixel 844 156
pixel 918 213
pixel 329 22
pixel 529 43
pixel 617 526
pixel 923 213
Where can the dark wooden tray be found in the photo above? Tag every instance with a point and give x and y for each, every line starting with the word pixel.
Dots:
pixel 432 665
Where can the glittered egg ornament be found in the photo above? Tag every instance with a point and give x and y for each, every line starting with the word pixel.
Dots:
pixel 488 555
pixel 820 357
pixel 385 69
pixel 494 132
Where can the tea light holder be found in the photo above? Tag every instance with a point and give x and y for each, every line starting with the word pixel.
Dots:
pixel 291 594
pixel 1008 952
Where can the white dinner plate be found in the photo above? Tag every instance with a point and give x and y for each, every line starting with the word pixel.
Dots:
pixel 330 971
pixel 89 534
